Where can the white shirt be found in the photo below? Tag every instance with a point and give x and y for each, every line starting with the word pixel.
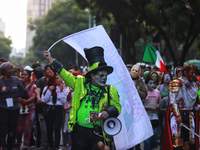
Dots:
pixel 61 96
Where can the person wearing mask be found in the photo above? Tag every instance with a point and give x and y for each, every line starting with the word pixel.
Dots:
pixel 25 120
pixel 10 87
pixel 93 101
pixel 140 86
pixel 184 111
pixel 41 83
pixel 54 95
pixel 151 104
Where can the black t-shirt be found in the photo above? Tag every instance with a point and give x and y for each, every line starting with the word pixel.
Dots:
pixel 41 83
pixel 11 89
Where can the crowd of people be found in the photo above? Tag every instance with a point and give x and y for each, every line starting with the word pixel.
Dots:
pixel 177 89
pixel 40 105
pixel 34 106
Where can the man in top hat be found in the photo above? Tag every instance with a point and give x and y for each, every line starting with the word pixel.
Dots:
pixel 91 104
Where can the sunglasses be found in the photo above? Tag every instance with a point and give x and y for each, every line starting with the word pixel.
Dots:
pixel 178 70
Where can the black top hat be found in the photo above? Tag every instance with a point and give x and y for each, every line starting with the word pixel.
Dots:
pixel 95 57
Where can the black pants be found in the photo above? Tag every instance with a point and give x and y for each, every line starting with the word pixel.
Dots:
pixel 54 123
pixel 8 124
pixel 85 138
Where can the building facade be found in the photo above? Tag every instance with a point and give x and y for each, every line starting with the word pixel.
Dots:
pixel 2 28
pixel 36 9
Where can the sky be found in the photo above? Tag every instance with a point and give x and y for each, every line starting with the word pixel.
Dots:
pixel 13 14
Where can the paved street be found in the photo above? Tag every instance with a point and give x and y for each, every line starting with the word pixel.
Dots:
pixel 61 147
pixel 66 148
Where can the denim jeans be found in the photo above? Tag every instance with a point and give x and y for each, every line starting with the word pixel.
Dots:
pixel 150 143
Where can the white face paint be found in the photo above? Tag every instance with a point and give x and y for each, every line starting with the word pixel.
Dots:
pixel 99 79
pixel 167 78
pixel 150 85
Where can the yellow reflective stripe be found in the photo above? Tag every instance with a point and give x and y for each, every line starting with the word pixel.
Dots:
pixel 95 65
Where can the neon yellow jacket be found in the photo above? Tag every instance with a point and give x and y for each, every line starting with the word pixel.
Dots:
pixel 78 85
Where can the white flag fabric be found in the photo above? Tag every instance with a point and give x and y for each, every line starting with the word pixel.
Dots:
pixel 136 126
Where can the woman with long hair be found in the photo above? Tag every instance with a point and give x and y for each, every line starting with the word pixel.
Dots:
pixel 54 95
pixel 26 116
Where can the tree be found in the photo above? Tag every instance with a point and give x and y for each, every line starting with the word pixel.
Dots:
pixel 5 46
pixel 63 19
pixel 144 19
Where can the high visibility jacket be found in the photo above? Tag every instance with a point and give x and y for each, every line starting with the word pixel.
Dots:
pixel 78 85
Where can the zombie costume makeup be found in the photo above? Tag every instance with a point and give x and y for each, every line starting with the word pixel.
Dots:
pixel 164 92
pixel 183 102
pixel 150 85
pixel 150 103
pixel 155 78
pixel 167 78
pixel 99 79
pixel 90 98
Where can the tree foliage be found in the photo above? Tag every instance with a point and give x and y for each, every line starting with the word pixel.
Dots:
pixel 5 46
pixel 145 19
pixel 63 19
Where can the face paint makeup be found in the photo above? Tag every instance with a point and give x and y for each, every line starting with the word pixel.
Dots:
pixel 191 73
pixel 154 77
pixel 150 85
pixel 167 78
pixel 99 79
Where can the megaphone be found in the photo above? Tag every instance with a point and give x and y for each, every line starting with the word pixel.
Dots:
pixel 112 126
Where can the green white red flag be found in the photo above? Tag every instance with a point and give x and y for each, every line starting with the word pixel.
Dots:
pixel 153 56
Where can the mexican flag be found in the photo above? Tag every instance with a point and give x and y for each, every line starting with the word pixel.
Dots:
pixel 153 56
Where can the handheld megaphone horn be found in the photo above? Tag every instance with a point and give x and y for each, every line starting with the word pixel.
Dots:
pixel 112 126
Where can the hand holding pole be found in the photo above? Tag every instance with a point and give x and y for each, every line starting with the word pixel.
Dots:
pixel 47 56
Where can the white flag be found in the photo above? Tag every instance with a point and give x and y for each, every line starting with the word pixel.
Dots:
pixel 136 126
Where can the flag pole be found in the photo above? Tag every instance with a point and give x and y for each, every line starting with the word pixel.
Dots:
pixel 54 45
pixel 190 130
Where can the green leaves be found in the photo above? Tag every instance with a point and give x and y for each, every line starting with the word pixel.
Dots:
pixel 5 46
pixel 63 19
